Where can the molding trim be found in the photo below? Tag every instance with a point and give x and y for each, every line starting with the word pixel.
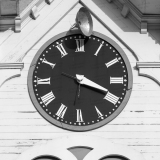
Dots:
pixel 102 147
pixel 11 66
pixel 9 71
pixel 25 15
pixel 17 24
pixel 150 70
pixel 100 18
pixel 148 65
pixel 12 23
pixel 144 27
pixel 135 15
pixel 7 20
pixel 34 13
pixel 125 11
pixel 49 1
pixel 7 23
pixel 20 49
pixel 109 1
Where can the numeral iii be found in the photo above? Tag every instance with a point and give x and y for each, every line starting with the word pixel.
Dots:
pixel 116 80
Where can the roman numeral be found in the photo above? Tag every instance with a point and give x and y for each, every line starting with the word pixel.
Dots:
pixel 99 49
pixel 116 80
pixel 49 97
pixel 43 81
pixel 62 50
pixel 98 112
pixel 79 116
pixel 49 63
pixel 61 111
pixel 111 98
pixel 111 62
pixel 80 45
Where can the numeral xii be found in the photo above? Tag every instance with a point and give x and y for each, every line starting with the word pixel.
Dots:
pixel 80 45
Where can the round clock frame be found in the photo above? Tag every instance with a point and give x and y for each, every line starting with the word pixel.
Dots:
pixel 78 127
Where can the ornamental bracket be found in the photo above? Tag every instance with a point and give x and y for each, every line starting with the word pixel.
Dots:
pixel 9 71
pixel 150 70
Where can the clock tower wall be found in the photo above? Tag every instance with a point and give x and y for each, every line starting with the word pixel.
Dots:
pixel 137 126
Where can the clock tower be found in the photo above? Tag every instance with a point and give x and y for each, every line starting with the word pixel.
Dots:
pixel 86 88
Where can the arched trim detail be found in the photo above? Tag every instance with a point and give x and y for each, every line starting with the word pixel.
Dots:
pixel 150 70
pixel 102 147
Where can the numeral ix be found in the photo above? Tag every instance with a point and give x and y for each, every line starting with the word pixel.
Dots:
pixel 43 81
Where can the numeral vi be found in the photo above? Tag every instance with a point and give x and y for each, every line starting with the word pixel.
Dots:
pixel 79 116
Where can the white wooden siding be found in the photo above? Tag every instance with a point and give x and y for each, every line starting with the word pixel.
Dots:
pixel 22 127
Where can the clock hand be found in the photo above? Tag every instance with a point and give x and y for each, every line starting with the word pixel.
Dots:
pixel 85 81
pixel 78 89
pixel 67 75
pixel 77 93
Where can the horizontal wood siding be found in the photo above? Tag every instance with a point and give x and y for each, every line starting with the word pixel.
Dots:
pixel 22 127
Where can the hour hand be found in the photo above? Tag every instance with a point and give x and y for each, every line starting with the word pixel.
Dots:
pixel 85 81
pixel 67 75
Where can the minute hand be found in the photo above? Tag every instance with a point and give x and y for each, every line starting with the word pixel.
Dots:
pixel 85 81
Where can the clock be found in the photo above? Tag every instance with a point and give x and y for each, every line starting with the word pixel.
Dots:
pixel 80 83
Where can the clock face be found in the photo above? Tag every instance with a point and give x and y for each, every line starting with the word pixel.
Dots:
pixel 80 83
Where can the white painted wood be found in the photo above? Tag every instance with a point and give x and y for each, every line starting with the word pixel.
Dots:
pixel 138 126
pixel 21 43
pixel 34 12
pixel 101 147
pixel 17 24
pixel 119 27
pixel 149 7
pixel 125 11
pixel 143 27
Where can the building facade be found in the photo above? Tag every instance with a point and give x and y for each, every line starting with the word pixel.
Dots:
pixel 26 26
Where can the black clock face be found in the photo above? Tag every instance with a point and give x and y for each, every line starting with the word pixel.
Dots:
pixel 80 83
